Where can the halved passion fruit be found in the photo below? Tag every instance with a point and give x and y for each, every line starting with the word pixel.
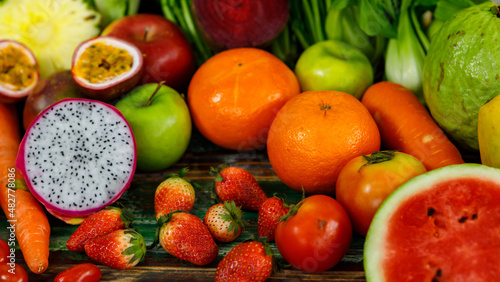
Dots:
pixel 19 72
pixel 106 67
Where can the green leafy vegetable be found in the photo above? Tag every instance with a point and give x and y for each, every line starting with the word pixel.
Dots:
pixel 308 17
pixel 342 23
pixel 179 12
pixel 405 55
pixel 285 46
pixel 111 10
pixel 306 26
pixel 373 19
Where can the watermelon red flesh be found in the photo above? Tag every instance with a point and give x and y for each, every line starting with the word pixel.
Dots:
pixel 451 231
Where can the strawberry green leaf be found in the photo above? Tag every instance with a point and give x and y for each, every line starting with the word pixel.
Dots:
pixel 161 221
pixel 183 171
pixel 215 171
pixel 137 248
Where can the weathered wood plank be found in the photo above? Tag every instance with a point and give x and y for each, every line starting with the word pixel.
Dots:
pixel 159 265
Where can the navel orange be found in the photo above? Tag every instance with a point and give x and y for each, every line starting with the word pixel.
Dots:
pixel 234 96
pixel 315 134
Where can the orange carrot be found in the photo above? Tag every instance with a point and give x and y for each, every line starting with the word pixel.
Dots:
pixel 405 124
pixel 24 213
pixel 9 144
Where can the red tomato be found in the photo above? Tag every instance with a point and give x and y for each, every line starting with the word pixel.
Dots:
pixel 84 272
pixel 365 181
pixel 4 251
pixel 12 273
pixel 317 236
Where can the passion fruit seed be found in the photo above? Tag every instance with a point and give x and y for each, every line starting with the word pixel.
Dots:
pixel 17 72
pixel 101 62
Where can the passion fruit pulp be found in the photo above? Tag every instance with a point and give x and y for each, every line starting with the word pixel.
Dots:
pixel 19 72
pixel 106 67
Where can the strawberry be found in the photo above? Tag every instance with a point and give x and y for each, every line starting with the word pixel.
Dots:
pixel 100 223
pixel 238 185
pixel 269 216
pixel 184 236
pixel 252 260
pixel 120 249
pixel 174 193
pixel 224 221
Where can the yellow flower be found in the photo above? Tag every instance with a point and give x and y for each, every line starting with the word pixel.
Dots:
pixel 51 29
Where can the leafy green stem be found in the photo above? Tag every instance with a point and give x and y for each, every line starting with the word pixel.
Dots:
pixel 179 13
pixel 198 41
pixel 167 12
pixel 424 41
pixel 309 18
pixel 318 21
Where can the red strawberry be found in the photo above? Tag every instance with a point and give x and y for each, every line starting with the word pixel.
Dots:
pixel 238 185
pixel 100 223
pixel 174 193
pixel 224 221
pixel 269 216
pixel 120 249
pixel 246 261
pixel 184 236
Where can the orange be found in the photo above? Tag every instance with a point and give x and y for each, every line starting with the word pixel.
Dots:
pixel 235 95
pixel 315 134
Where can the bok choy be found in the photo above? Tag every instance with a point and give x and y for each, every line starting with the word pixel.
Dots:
pixel 342 23
pixel 405 54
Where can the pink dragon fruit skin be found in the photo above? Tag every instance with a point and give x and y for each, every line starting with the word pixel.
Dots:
pixel 74 150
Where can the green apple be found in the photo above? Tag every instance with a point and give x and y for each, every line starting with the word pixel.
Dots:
pixel 161 124
pixel 334 65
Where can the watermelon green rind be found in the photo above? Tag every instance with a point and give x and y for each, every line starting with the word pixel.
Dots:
pixel 375 240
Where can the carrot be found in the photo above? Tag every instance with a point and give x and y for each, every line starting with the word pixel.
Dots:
pixel 9 144
pixel 405 124
pixel 24 213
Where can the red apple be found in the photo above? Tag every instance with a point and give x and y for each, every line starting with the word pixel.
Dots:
pixel 168 56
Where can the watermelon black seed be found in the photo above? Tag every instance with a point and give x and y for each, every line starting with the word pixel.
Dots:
pixel 474 216
pixel 462 219
pixel 430 211
pixel 439 273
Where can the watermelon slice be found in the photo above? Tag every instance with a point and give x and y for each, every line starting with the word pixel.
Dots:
pixel 443 225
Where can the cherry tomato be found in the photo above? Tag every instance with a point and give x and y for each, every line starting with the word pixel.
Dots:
pixel 13 272
pixel 316 235
pixel 84 272
pixel 365 181
pixel 4 251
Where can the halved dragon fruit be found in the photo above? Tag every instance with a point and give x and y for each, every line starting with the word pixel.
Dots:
pixel 77 157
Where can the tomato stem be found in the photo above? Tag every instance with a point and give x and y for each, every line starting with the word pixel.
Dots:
pixel 378 157
pixel 293 210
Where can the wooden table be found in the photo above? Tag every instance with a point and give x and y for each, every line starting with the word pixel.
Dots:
pixel 158 264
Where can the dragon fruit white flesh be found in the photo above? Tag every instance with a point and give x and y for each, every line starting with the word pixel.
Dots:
pixel 77 157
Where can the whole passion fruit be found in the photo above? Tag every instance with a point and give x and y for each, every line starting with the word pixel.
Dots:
pixel 19 72
pixel 54 88
pixel 462 71
pixel 105 67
